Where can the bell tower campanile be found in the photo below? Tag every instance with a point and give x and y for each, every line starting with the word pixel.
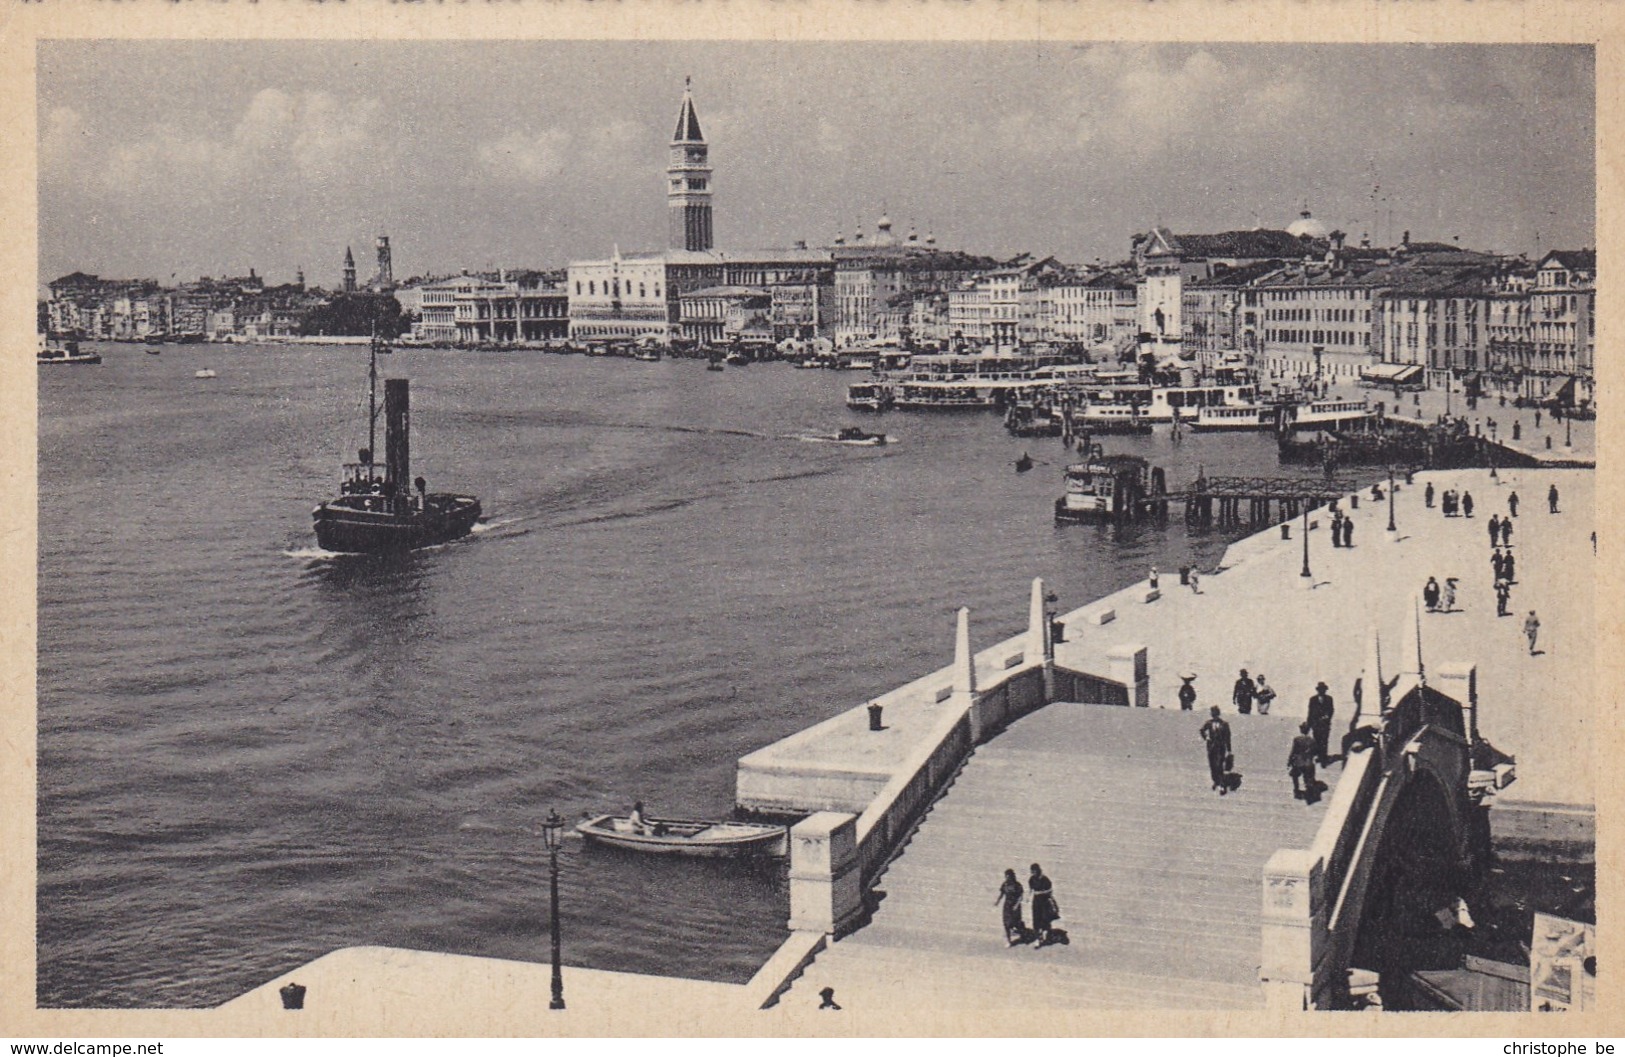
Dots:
pixel 688 182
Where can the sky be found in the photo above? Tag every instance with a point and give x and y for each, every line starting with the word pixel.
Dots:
pixel 166 158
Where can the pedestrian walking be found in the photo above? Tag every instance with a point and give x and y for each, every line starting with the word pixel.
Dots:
pixel 1531 629
pixel 1430 594
pixel 1537 418
pixel 1348 532
pixel 1337 528
pixel 1503 594
pixel 1187 692
pixel 1010 893
pixel 1216 732
pixel 1321 711
pixel 1449 600
pixel 1551 498
pixel 1509 568
pixel 1045 909
pixel 1153 578
pixel 1506 532
pixel 1241 695
pixel 1467 504
pixel 1495 529
pixel 1264 695
pixel 1196 581
pixel 1427 495
pixel 1498 562
pixel 1512 504
pixel 826 999
pixel 1300 763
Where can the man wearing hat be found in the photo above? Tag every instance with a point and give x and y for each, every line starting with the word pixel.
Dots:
pixel 1187 692
pixel 1320 720
pixel 1216 732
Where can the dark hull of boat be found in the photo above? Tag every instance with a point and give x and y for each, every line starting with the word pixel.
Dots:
pixel 348 531
pixel 83 357
pixel 1099 427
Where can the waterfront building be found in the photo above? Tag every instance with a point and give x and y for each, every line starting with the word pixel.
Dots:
pixel 1563 325
pixel 1096 309
pixel 515 307
pixel 874 281
pixel 717 314
pixel 1221 313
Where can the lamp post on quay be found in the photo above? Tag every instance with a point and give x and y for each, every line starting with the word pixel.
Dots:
pixel 553 835
pixel 1391 526
pixel 1307 577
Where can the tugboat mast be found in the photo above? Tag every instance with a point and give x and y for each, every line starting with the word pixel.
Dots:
pixel 372 401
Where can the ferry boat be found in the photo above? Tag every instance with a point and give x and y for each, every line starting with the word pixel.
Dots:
pixel 54 350
pixel 1325 414
pixel 1030 420
pixel 1108 488
pixel 870 396
pixel 1159 404
pixel 1112 419
pixel 376 509
pixel 1232 419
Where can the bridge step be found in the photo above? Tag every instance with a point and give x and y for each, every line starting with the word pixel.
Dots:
pixel 1019 978
pixel 1159 879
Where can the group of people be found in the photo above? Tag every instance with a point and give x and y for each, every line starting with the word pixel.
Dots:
pixel 1311 746
pixel 1045 910
pixel 1437 599
pixel 1451 501
pixel 1342 528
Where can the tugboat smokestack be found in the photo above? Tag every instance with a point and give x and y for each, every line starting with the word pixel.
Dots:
pixel 397 434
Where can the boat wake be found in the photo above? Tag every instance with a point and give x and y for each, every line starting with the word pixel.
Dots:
pixel 314 554
pixel 825 438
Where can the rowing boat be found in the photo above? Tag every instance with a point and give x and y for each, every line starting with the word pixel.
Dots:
pixel 673 836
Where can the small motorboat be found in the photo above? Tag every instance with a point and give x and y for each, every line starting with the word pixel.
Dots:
pixel 155 352
pixel 854 435
pixel 206 372
pixel 676 836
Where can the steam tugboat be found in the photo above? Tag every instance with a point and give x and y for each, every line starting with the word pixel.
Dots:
pixel 376 508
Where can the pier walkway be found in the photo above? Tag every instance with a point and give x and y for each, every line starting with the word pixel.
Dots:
pixel 1572 442
pixel 1157 877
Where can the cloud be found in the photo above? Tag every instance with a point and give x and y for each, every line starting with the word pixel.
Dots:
pixel 61 140
pixel 309 137
pixel 531 158
pixel 616 138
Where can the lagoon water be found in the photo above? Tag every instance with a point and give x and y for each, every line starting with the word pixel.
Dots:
pixel 251 753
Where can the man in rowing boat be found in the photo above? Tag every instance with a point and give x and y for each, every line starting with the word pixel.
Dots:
pixel 638 822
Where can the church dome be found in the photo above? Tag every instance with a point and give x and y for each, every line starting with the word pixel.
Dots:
pixel 1307 226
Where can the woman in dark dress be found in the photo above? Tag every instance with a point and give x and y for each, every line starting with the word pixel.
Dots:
pixel 1010 892
pixel 1044 909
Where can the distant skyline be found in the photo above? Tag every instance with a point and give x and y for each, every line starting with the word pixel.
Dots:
pixel 162 158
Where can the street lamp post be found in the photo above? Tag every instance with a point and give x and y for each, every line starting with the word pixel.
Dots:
pixel 553 834
pixel 1391 526
pixel 1308 577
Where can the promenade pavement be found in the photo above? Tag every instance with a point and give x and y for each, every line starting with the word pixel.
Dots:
pixel 1426 406
pixel 1259 615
